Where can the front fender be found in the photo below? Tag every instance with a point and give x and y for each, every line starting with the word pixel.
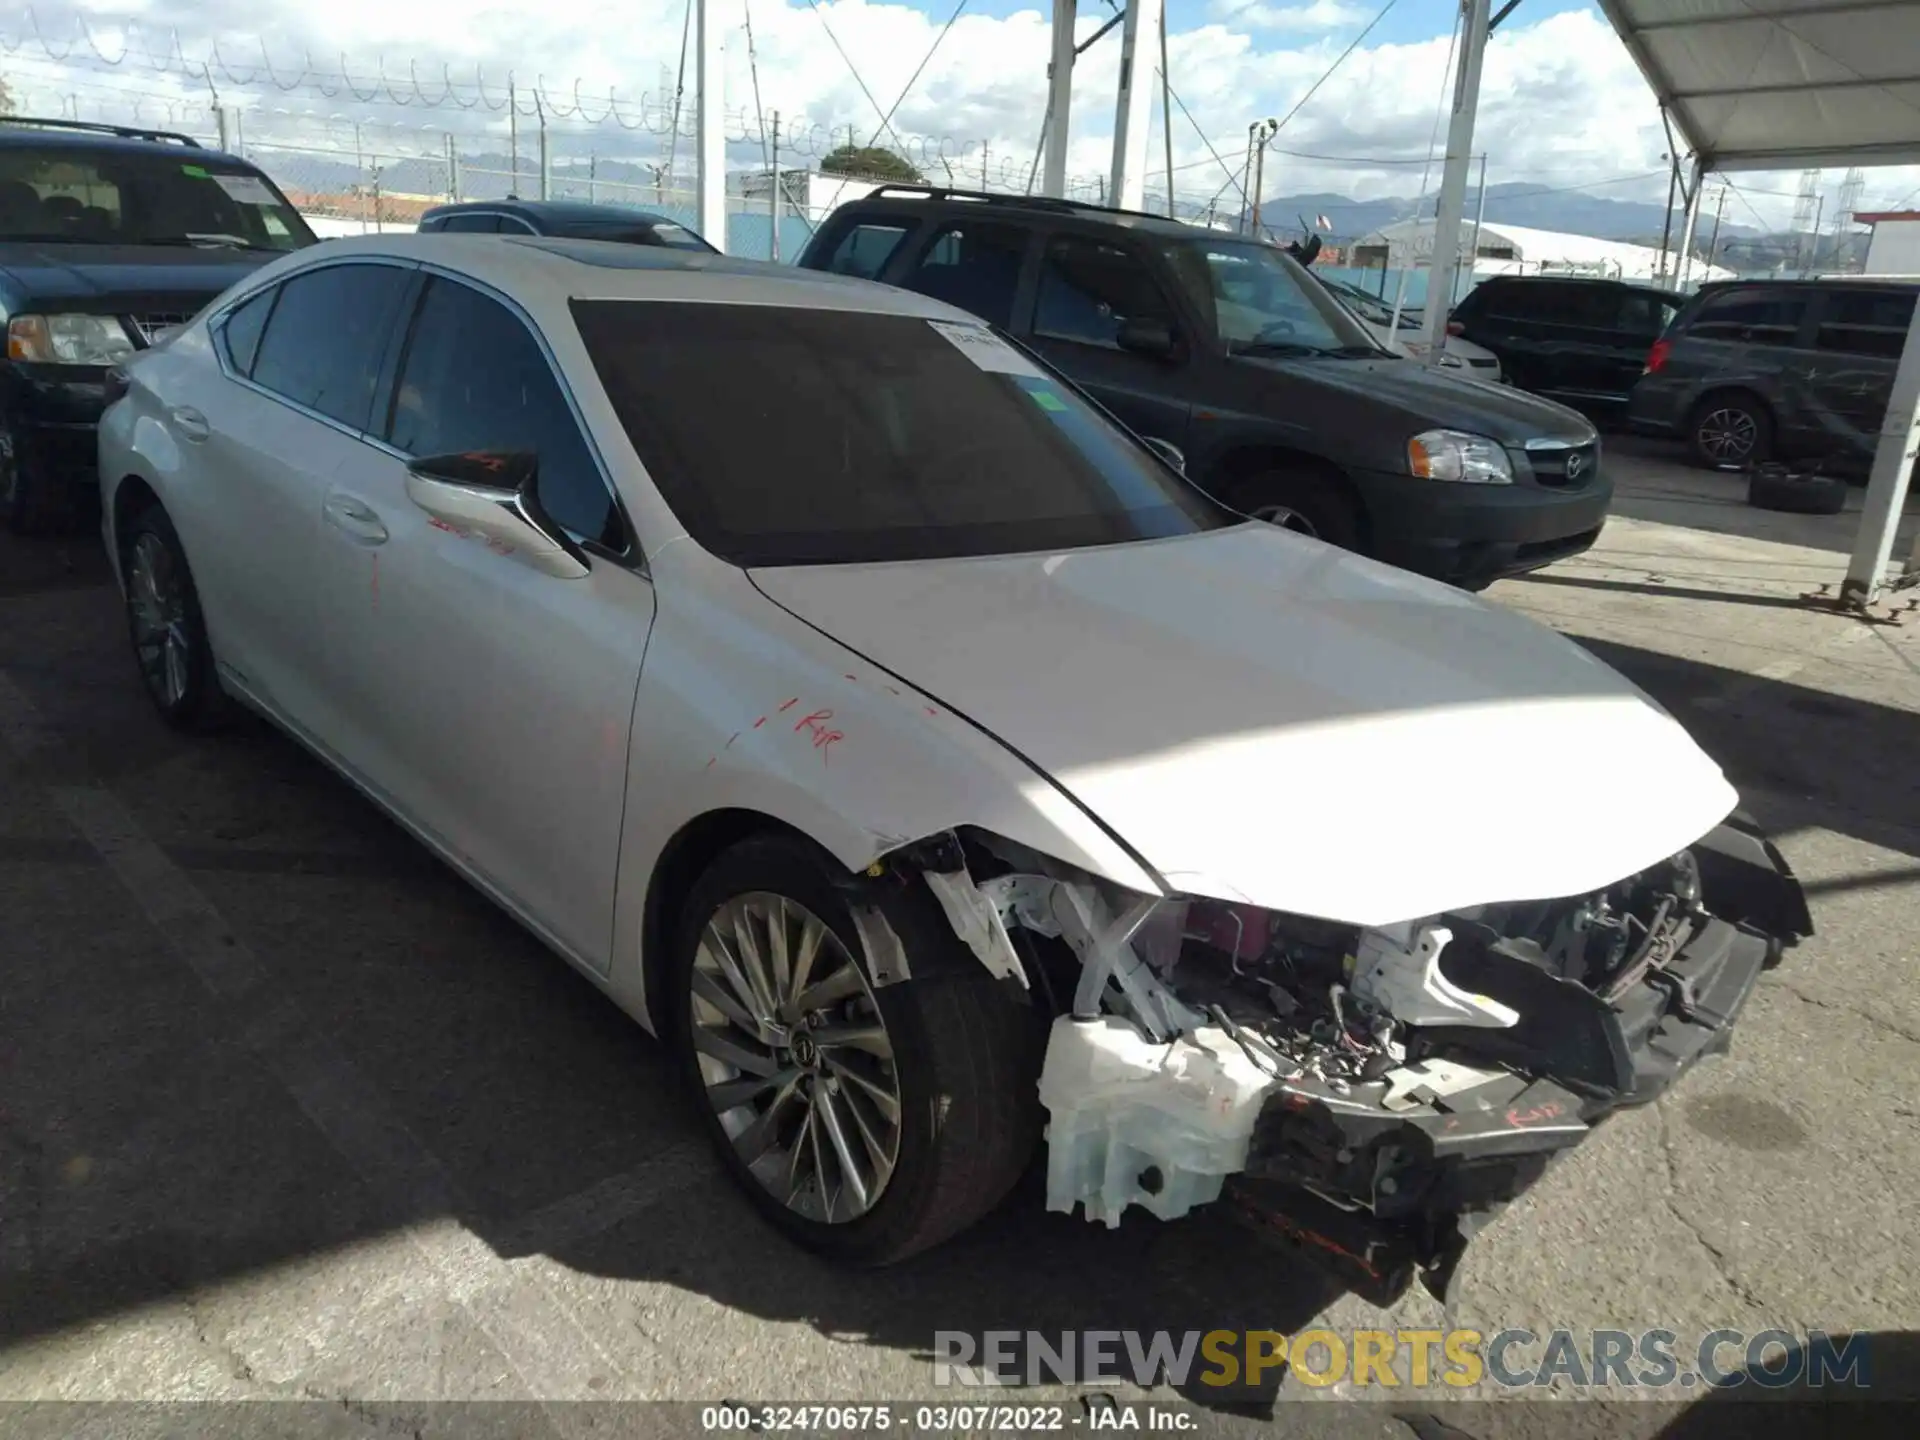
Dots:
pixel 744 707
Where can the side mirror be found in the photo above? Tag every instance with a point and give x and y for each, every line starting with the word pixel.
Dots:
pixel 1144 336
pixel 491 493
pixel 1166 451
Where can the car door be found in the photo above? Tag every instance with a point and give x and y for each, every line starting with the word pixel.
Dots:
pixel 1755 337
pixel 489 702
pixel 1858 334
pixel 1086 288
pixel 268 435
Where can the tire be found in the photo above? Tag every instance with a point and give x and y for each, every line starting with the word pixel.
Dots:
pixel 1775 487
pixel 1729 431
pixel 31 502
pixel 964 1063
pixel 1305 501
pixel 164 623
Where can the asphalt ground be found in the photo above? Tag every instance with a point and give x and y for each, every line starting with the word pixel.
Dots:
pixel 288 1112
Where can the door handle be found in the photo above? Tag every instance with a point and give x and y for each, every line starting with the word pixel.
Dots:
pixel 356 518
pixel 191 424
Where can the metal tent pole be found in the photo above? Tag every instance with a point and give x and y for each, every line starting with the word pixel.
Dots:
pixel 1053 178
pixel 1453 179
pixel 710 146
pixel 1134 108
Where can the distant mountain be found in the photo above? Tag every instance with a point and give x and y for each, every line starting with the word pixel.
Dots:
pixel 1540 207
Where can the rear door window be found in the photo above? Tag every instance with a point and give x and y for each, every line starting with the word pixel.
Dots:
pixel 865 249
pixel 1865 322
pixel 328 333
pixel 474 378
pixel 1643 314
pixel 975 266
pixel 469 224
pixel 240 332
pixel 1757 316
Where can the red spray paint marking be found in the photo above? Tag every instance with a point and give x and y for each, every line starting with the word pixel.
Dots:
pixel 437 523
pixel 852 677
pixel 931 711
pixel 761 721
pixel 824 737
pixel 710 762
pixel 730 740
pixel 789 705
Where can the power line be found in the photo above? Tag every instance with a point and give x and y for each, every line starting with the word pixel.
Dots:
pixel 885 115
pixel 914 79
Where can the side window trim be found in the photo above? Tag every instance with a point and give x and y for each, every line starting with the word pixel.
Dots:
pixel 631 556
pixel 218 326
pixel 917 234
pixel 279 285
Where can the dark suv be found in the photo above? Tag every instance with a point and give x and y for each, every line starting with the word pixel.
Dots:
pixel 1579 341
pixel 566 218
pixel 1284 405
pixel 110 237
pixel 1790 368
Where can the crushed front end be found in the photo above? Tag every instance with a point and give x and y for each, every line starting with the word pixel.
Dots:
pixel 1371 1097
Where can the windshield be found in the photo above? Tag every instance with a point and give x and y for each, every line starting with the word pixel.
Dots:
pixel 642 232
pixel 77 196
pixel 784 436
pixel 1256 299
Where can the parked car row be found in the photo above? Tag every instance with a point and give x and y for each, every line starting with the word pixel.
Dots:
pixel 917 751
pixel 1742 371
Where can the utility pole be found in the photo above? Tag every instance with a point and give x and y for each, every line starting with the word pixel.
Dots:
pixel 985 182
pixel 593 174
pixel 1053 180
pixel 1166 107
pixel 1479 218
pixel 540 119
pixel 1134 106
pixel 1453 178
pixel 1713 241
pixel 513 139
pixel 1258 134
pixel 710 113
pixel 453 169
pixel 774 202
pixel 219 111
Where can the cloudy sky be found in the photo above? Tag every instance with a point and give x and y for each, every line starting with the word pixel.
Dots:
pixel 1562 102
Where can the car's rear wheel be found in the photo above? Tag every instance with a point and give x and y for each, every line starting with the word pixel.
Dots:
pixel 1302 500
pixel 1731 430
pixel 866 1121
pixel 165 624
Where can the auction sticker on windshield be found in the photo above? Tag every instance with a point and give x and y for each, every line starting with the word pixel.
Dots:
pixel 985 349
pixel 247 189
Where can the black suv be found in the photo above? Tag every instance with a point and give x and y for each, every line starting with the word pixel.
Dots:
pixel 1796 369
pixel 1581 342
pixel 565 218
pixel 1284 405
pixel 110 237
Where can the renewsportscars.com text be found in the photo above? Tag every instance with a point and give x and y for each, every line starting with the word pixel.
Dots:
pixel 1405 1359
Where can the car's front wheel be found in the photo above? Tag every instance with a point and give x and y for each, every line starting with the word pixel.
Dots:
pixel 868 1121
pixel 1303 500
pixel 164 622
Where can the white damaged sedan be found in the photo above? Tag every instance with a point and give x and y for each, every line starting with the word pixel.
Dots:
pixel 933 768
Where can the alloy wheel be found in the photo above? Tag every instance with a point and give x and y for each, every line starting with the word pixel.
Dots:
pixel 9 473
pixel 1287 518
pixel 157 602
pixel 1728 435
pixel 794 1057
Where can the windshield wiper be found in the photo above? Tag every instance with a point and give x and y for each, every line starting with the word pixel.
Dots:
pixel 1272 347
pixel 1353 352
pixel 205 241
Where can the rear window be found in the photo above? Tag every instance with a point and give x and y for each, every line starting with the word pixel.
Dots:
pixel 865 249
pixel 794 437
pixel 71 195
pixel 1765 317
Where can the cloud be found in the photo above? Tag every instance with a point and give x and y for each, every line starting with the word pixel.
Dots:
pixel 1562 103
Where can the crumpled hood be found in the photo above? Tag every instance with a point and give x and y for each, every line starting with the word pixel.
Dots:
pixel 1439 398
pixel 1265 718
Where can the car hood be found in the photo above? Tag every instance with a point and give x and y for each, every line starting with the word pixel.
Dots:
pixel 1261 717
pixel 1442 399
pixel 125 278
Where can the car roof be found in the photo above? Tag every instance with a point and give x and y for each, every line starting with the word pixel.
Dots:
pixel 539 270
pixel 1813 282
pixel 1031 207
pixel 19 133
pixel 559 212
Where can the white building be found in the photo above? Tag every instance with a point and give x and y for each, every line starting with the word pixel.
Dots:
pixel 1894 248
pixel 805 193
pixel 1501 249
